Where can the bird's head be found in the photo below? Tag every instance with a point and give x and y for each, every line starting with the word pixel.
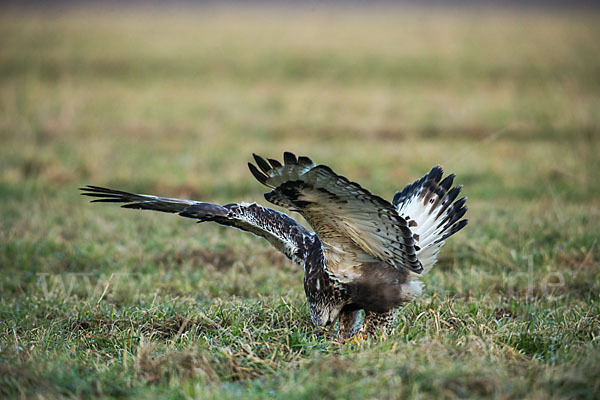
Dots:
pixel 325 300
pixel 323 315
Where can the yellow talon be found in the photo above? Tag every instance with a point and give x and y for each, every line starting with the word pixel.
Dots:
pixel 356 338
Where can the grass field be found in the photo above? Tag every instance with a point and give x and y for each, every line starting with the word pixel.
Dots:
pixel 100 301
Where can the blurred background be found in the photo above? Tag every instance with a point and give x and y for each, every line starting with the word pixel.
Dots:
pixel 173 98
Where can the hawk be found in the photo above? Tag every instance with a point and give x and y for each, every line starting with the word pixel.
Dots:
pixel 365 253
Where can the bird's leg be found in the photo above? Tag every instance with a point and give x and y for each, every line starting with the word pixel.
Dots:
pixel 347 321
pixel 375 322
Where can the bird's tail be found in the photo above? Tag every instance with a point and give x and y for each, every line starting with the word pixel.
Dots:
pixel 430 207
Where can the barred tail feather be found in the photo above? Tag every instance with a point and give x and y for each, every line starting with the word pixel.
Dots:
pixel 430 207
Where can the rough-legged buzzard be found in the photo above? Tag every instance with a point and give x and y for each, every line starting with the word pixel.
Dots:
pixel 365 253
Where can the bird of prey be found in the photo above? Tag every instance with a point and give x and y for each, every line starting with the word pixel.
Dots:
pixel 365 253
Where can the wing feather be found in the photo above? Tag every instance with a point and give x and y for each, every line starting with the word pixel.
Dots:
pixel 429 205
pixel 285 234
pixel 353 225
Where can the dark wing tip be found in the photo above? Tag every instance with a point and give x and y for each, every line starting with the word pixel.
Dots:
pixel 274 163
pixel 105 195
pixel 459 203
pixel 262 178
pixel 92 188
pixel 455 228
pixel 304 161
pixel 133 206
pixel 289 158
pixel 436 173
pixel 262 164
pixel 447 182
pixel 93 194
pixel 437 170
pixel 108 200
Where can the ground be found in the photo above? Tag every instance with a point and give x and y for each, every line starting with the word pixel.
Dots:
pixel 101 301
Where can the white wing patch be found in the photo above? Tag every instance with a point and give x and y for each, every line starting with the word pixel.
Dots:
pixel 429 207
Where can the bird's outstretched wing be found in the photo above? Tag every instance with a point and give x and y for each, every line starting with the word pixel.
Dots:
pixel 354 226
pixel 285 234
pixel 430 207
